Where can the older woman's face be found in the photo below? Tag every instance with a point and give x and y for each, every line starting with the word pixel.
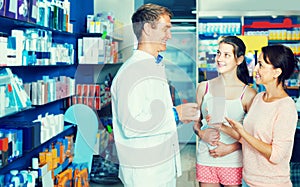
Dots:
pixel 264 72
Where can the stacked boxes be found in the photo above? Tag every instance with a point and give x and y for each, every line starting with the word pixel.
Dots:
pixel 88 94
pixel 16 138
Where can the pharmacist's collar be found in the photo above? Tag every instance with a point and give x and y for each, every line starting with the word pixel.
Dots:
pixel 158 59
pixel 146 55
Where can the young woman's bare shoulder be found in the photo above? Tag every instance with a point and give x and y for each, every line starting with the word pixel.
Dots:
pixel 249 95
pixel 250 92
pixel 201 88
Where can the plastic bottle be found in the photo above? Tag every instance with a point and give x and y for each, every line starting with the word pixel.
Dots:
pixel 111 21
pixel 15 179
pixel 66 7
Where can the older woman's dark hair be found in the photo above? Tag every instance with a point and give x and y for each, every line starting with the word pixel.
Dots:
pixel 239 49
pixel 281 57
pixel 148 13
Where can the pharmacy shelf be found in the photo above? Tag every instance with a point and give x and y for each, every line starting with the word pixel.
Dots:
pixel 101 35
pixel 24 161
pixel 10 113
pixel 8 24
pixel 286 24
pixel 283 41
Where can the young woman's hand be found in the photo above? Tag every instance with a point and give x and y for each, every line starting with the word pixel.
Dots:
pixel 211 136
pixel 224 149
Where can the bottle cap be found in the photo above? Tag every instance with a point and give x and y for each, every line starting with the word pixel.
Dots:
pixel 14 172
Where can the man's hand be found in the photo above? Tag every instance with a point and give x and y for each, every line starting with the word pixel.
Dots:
pixel 188 112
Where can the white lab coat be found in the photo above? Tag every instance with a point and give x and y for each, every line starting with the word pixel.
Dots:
pixel 143 123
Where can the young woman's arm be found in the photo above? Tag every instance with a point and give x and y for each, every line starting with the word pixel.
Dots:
pixel 209 135
pixel 224 149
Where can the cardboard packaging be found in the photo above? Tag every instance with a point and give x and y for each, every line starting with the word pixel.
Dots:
pixel 11 8
pixel 23 10
pixel 32 11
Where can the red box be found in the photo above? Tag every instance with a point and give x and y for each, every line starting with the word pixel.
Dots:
pixel 85 90
pixel 92 90
pixel 97 103
pixel 80 100
pixel 74 100
pixel 85 100
pixel 4 144
pixel 79 89
pixel 91 102
pixel 97 90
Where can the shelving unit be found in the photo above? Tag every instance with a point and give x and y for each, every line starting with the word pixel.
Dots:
pixel 19 162
pixel 252 23
pixel 34 73
pixel 96 74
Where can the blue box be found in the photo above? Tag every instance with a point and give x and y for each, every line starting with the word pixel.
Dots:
pixel 11 8
pixel 32 11
pixel 31 133
pixel 23 10
pixel 2 7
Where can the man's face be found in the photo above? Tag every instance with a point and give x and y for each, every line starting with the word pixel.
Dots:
pixel 160 35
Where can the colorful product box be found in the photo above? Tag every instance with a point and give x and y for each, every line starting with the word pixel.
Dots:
pixel 32 11
pixel 11 8
pixel 91 102
pixel 97 90
pixel 23 10
pixel 85 100
pixel 79 100
pixel 85 90
pixel 74 100
pixel 79 90
pixel 97 103
pixel 91 90
pixel 30 133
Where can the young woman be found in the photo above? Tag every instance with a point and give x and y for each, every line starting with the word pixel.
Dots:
pixel 223 163
pixel 267 136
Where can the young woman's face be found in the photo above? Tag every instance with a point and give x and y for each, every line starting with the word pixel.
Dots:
pixel 264 71
pixel 225 58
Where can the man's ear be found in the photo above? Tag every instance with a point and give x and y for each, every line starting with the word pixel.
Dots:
pixel 147 28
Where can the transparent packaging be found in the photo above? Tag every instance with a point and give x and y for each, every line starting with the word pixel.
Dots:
pixel 12 94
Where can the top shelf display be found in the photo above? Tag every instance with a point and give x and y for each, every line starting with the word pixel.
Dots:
pixel 287 23
pixel 234 14
pixel 7 24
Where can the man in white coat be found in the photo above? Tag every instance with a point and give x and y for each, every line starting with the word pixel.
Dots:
pixel 144 118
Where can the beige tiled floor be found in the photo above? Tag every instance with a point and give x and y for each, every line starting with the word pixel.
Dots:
pixel 188 169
